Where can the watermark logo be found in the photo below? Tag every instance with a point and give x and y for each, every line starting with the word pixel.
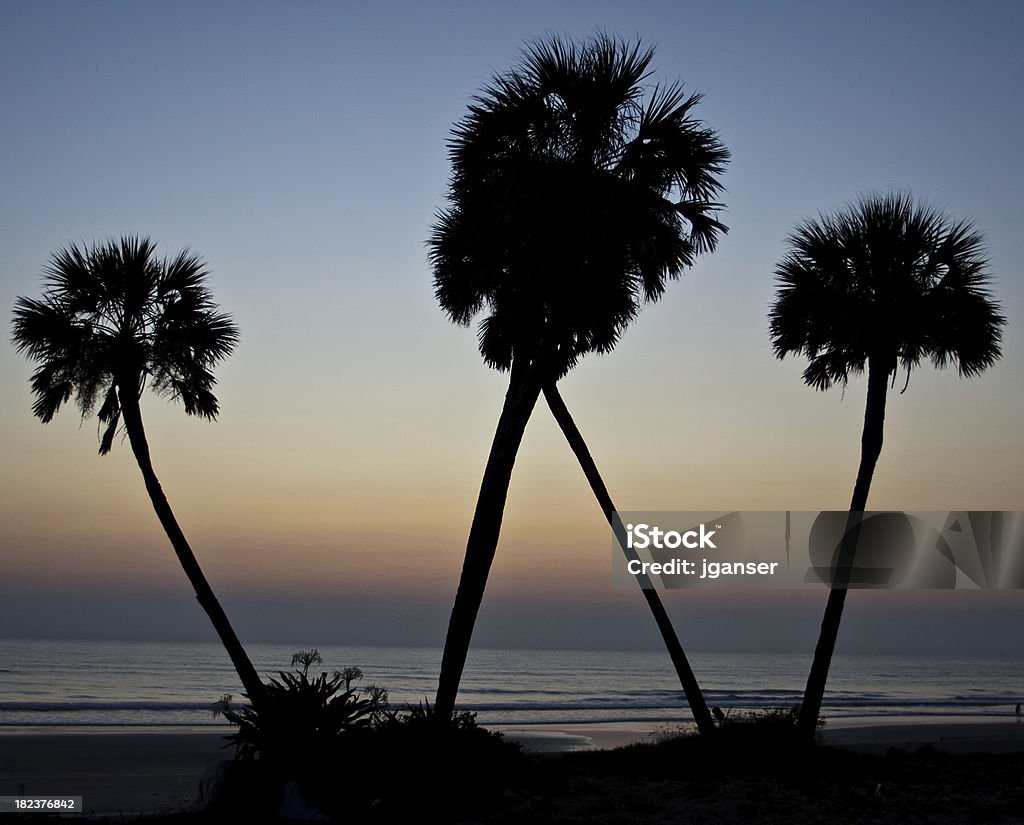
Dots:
pixel 641 536
pixel 797 549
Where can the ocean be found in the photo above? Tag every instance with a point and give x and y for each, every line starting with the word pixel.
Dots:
pixel 95 684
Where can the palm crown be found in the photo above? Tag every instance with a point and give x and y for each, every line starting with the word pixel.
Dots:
pixel 577 190
pixel 885 279
pixel 113 318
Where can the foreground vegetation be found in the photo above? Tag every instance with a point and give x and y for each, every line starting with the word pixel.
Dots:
pixel 684 779
pixel 324 746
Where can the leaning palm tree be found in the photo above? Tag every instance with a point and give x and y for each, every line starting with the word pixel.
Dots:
pixel 112 320
pixel 578 190
pixel 881 285
pixel 691 688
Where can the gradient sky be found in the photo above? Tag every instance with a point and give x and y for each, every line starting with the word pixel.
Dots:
pixel 299 148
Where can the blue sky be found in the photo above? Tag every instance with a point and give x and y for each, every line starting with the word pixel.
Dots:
pixel 300 149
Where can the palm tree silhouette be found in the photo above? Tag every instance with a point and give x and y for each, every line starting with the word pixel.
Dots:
pixel 578 190
pixel 113 318
pixel 691 688
pixel 881 284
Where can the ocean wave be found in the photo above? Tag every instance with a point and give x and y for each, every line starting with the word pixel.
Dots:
pixel 506 721
pixel 85 707
pixel 538 702
pixel 734 700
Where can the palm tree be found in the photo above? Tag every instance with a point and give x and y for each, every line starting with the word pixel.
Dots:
pixel 578 190
pixel 691 688
pixel 882 284
pixel 113 318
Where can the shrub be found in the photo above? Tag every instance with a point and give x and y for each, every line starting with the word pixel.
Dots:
pixel 300 719
pixel 350 751
pixel 442 766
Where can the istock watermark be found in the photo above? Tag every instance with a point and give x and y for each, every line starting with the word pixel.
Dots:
pixel 970 549
pixel 641 536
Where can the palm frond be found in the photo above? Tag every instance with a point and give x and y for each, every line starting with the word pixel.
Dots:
pixel 578 190
pixel 889 278
pixel 112 314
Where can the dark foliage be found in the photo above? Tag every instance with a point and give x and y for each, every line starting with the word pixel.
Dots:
pixel 349 752
pixel 650 785
pixel 114 318
pixel 300 720
pixel 579 187
pixel 744 738
pixel 889 279
pixel 444 768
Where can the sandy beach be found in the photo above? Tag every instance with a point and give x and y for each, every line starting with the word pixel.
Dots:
pixel 862 734
pixel 113 772
pixel 950 736
pixel 159 770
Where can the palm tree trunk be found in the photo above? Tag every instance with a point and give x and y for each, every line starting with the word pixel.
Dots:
pixel 871 447
pixel 694 696
pixel 523 391
pixel 132 415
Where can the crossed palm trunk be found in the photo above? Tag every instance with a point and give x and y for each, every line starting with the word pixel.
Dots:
pixel 694 696
pixel 131 414
pixel 525 387
pixel 871 447
pixel 579 189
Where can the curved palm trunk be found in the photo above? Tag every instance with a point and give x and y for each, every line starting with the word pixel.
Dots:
pixel 694 696
pixel 523 391
pixel 871 448
pixel 132 415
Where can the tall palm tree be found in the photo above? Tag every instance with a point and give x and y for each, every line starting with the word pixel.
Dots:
pixel 578 190
pixel 112 320
pixel 691 688
pixel 882 284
